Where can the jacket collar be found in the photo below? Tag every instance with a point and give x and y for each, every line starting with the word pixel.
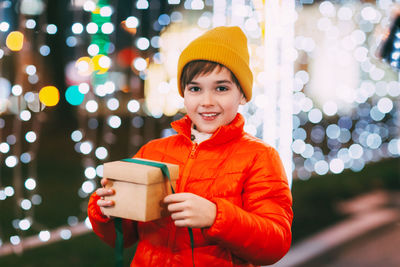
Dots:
pixel 222 135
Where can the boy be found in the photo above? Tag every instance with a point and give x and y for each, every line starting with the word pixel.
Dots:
pixel 232 190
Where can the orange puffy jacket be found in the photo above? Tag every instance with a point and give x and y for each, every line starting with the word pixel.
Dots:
pixel 241 175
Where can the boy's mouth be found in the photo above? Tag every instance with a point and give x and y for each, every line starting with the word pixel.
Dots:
pixel 209 115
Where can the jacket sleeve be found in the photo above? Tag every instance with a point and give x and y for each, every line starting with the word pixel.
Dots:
pixel 260 230
pixel 104 227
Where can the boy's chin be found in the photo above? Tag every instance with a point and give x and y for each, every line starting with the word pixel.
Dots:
pixel 207 129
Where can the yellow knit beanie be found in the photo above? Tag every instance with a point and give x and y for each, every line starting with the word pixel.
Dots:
pixel 224 45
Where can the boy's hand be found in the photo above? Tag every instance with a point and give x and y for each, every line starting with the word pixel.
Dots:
pixel 190 210
pixel 103 192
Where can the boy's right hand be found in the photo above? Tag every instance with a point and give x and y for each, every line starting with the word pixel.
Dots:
pixel 103 192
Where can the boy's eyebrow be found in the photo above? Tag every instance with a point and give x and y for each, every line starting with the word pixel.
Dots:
pixel 219 82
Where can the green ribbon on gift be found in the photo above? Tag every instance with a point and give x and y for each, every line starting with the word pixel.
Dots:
pixel 119 241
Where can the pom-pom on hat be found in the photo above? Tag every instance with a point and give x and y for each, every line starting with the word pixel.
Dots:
pixel 224 45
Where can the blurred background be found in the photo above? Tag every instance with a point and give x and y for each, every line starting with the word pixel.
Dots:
pixel 83 82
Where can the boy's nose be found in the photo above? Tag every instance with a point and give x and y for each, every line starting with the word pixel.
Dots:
pixel 207 98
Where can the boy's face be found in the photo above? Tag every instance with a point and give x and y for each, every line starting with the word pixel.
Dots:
pixel 212 100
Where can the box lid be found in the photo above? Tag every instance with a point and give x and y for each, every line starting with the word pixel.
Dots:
pixel 138 173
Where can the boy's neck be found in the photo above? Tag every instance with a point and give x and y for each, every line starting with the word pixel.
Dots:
pixel 197 136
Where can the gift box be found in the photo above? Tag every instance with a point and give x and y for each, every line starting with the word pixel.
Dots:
pixel 139 189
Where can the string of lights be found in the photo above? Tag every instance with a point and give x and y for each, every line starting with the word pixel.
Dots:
pixel 343 100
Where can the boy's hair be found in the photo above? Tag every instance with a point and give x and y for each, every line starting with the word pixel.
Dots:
pixel 202 67
pixel 224 45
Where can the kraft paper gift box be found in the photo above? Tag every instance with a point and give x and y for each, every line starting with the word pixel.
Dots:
pixel 139 189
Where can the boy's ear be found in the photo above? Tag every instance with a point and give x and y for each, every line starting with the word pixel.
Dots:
pixel 243 100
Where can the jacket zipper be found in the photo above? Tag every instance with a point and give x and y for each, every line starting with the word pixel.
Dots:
pixel 188 167
pixel 182 185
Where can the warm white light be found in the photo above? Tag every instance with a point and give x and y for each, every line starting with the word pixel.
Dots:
pixel 140 64
pixel 89 6
pixel 99 170
pixel 315 115
pixel 327 9
pixel 30 69
pixel 101 153
pixel 330 108
pixel 11 161
pixel 86 147
pixel 143 43
pixel 44 236
pixel 76 136
pixel 106 11
pixel 83 66
pixel 333 131
pixel 109 87
pixel 30 136
pixel 374 141
pixel 9 191
pixel 197 4
pixel 113 104
pixel 385 105
pixel 16 90
pixel 88 187
pixel 142 4
pixel 368 13
pixel 4 26
pixel 345 13
pixel 51 29
pixel 107 28
pixel 84 88
pixel 90 172
pixel 4 147
pixel 77 28
pixel 30 24
pixel 24 224
pixel 133 106
pixel 26 204
pixel 114 121
pixel 321 167
pixel 92 28
pixel 336 166
pixel 104 62
pixel 356 151
pixel 93 50
pixel 65 234
pixel 132 22
pixel 25 115
pixel 92 106
pixel 298 146
pixel 15 240
pixel 394 147
pixel 30 184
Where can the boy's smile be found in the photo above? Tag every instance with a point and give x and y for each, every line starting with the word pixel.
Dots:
pixel 212 100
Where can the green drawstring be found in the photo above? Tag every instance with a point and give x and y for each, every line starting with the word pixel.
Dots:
pixel 119 241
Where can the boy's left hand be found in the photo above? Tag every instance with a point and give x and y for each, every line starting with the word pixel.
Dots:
pixel 190 210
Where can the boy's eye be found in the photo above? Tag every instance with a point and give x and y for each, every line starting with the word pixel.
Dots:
pixel 222 88
pixel 194 89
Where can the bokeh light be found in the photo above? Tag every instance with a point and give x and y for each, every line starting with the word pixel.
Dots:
pixel 15 41
pixel 74 96
pixel 49 96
